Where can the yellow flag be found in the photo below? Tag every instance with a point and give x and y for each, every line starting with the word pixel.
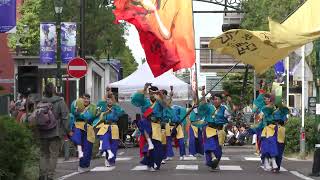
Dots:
pixel 302 27
pixel 262 49
pixel 250 47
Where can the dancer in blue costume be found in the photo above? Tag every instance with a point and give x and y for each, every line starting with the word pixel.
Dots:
pixel 150 126
pixel 280 117
pixel 195 133
pixel 178 121
pixel 168 115
pixel 269 146
pixel 108 128
pixel 83 135
pixel 258 104
pixel 216 115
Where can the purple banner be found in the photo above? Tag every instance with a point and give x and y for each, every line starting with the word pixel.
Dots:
pixel 68 41
pixel 7 15
pixel 48 43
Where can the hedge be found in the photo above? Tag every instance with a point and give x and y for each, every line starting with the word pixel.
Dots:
pixel 293 134
pixel 17 150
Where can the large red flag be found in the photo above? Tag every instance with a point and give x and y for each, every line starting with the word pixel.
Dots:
pixel 166 31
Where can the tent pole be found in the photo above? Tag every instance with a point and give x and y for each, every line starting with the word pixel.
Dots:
pixel 197 104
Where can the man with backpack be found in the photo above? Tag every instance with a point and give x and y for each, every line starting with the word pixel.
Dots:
pixel 51 119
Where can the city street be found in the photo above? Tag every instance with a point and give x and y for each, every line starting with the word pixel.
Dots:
pixel 237 163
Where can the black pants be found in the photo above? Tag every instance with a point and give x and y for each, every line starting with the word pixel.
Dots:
pixel 316 162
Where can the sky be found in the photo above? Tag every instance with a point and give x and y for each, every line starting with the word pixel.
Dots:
pixel 206 25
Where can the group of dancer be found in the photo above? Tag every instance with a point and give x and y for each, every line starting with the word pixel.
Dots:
pixel 163 123
pixel 89 121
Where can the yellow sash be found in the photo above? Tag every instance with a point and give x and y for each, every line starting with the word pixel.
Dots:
pixel 91 137
pixel 114 132
pixel 156 131
pixel 163 137
pixel 180 132
pixel 168 132
pixel 80 125
pixel 195 131
pixel 103 129
pixel 100 126
pixel 221 136
pixel 281 134
pixel 268 131
pixel 210 132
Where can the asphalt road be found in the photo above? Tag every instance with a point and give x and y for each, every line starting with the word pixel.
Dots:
pixel 238 163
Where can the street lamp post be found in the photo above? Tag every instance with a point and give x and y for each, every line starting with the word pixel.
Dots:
pixel 58 7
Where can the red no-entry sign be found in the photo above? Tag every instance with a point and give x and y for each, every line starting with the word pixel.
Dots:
pixel 77 68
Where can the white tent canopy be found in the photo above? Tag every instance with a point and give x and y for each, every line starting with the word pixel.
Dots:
pixel 137 80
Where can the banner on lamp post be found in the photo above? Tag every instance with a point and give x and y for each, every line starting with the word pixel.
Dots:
pixel 7 15
pixel 68 41
pixel 48 43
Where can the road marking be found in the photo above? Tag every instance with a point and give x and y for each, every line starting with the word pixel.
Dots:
pixel 230 168
pixel 120 153
pixel 123 158
pixel 189 158
pixel 102 168
pixel 252 158
pixel 187 167
pixel 68 175
pixel 140 168
pixel 225 159
pixel 282 169
pixel 296 173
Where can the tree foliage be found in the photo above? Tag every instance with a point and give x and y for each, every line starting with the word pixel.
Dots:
pixel 233 85
pixel 256 18
pixel 257 12
pixel 102 35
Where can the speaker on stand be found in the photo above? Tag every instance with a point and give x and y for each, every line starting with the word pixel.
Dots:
pixel 28 80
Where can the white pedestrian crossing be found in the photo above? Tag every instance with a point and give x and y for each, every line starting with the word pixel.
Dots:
pixel 282 169
pixel 187 167
pixel 140 168
pixel 252 158
pixel 190 158
pixel 124 158
pixel 225 159
pixel 102 169
pixel 230 168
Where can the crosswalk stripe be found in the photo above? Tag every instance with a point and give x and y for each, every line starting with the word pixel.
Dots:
pixel 102 168
pixel 252 158
pixel 140 168
pixel 282 169
pixel 187 167
pixel 120 153
pixel 225 159
pixel 189 158
pixel 230 168
pixel 123 158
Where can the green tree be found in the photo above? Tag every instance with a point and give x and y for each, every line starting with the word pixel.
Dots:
pixel 257 12
pixel 100 29
pixel 233 85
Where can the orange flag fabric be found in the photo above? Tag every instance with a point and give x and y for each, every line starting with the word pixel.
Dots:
pixel 166 31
